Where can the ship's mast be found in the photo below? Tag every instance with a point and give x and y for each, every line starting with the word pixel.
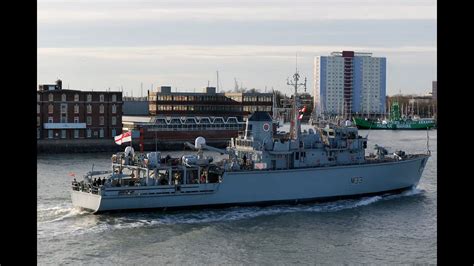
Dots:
pixel 295 129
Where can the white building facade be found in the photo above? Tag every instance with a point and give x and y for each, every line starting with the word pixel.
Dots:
pixel 349 83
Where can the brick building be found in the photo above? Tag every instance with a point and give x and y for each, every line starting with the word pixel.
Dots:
pixel 74 114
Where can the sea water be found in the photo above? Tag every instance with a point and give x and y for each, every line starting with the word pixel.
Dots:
pixel 386 229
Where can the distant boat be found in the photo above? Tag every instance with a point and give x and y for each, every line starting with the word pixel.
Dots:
pixel 395 122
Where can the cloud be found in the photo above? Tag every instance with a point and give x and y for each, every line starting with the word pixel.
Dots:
pixel 98 43
pixel 229 51
pixel 92 11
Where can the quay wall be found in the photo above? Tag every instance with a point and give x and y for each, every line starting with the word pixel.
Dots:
pixel 108 145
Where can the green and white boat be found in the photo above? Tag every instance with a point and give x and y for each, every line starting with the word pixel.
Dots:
pixel 395 122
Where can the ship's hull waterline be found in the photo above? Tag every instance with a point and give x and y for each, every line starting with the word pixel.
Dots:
pixel 263 187
pixel 394 125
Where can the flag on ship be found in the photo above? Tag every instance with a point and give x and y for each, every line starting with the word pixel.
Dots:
pixel 301 111
pixel 125 137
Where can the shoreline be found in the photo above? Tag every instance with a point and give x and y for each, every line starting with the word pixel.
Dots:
pixel 108 145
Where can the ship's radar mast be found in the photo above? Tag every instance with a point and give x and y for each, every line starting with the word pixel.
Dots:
pixel 295 126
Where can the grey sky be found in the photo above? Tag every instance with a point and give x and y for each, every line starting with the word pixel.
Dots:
pixel 101 44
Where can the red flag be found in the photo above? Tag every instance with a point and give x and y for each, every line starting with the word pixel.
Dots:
pixel 301 113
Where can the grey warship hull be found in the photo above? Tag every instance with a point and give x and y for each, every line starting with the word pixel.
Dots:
pixel 264 166
pixel 263 187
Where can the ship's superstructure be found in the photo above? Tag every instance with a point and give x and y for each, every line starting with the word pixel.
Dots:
pixel 261 167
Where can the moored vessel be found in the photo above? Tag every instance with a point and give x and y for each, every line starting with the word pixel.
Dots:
pixel 395 122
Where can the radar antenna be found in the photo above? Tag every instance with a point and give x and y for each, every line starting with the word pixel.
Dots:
pixel 295 126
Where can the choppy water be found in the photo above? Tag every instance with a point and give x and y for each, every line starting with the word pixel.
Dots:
pixel 381 229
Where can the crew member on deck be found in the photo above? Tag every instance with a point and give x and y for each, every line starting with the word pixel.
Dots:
pixel 203 177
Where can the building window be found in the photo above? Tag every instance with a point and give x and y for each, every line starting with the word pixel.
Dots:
pixel 101 120
pixel 76 133
pixel 114 109
pixel 63 97
pixel 50 119
pixel 89 133
pixel 50 134
pixel 76 109
pixel 89 97
pixel 38 133
pixel 114 120
pixel 89 120
pixel 63 108
pixel 50 97
pixel 114 132
pixel 76 97
pixel 101 133
pixel 89 109
pixel 38 108
pixel 63 118
pixel 114 97
pixel 38 97
pixel 101 97
pixel 76 119
pixel 63 133
pixel 50 109
pixel 101 109
pixel 38 120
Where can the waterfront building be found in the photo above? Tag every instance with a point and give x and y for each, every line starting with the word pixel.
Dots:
pixel 349 83
pixel 135 106
pixel 76 114
pixel 164 102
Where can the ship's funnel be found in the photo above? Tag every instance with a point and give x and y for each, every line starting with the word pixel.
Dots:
pixel 199 141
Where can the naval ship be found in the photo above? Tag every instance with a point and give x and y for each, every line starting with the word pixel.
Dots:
pixel 261 166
